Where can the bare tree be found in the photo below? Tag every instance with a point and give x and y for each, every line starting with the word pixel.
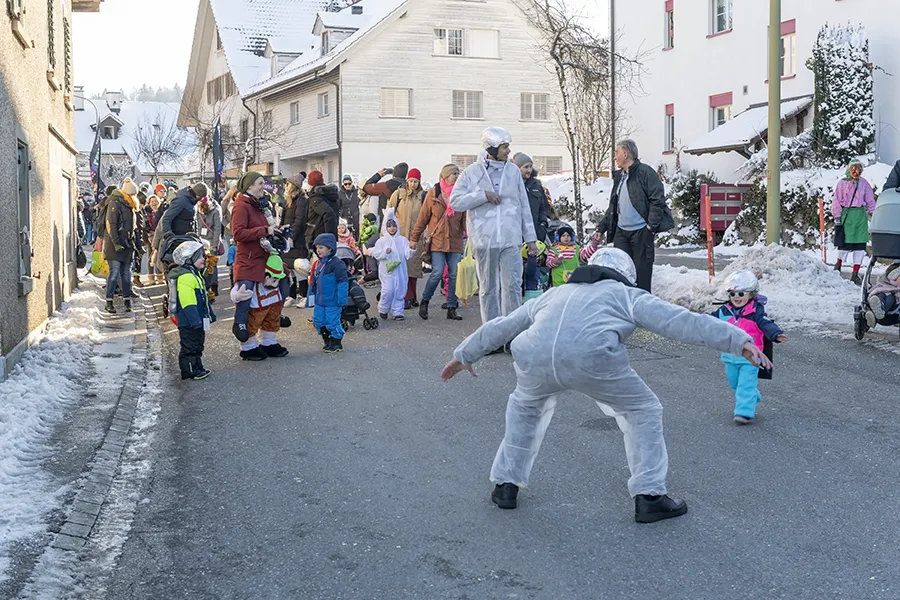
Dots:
pixel 159 141
pixel 582 62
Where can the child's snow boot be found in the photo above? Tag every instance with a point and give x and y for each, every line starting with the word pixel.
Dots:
pixel 326 337
pixel 110 308
pixel 334 345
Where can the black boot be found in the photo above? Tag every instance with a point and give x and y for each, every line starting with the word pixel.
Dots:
pixel 451 314
pixel 855 278
pixel 240 332
pixel 110 308
pixel 256 354
pixel 445 306
pixel 333 345
pixel 649 509
pixel 127 305
pixel 407 304
pixel 285 322
pixel 423 310
pixel 275 351
pixel 414 303
pixel 326 337
pixel 505 495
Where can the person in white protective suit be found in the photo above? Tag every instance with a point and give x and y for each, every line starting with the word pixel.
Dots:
pixel 582 327
pixel 498 221
pixel 392 251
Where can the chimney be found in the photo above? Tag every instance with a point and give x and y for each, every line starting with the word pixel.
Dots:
pixel 78 99
pixel 114 101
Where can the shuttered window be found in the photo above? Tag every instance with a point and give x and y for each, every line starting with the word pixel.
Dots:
pixel 396 102
pixel 468 105
pixel 548 165
pixel 534 107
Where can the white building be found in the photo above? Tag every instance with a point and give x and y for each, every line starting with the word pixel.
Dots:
pixel 379 82
pixel 707 69
pixel 121 141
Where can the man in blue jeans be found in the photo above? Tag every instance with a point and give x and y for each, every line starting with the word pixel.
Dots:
pixel 119 242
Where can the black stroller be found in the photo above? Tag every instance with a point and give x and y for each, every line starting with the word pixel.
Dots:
pixel 166 250
pixel 357 305
pixel 885 231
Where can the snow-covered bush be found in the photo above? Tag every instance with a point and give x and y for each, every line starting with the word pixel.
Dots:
pixel 683 196
pixel 796 153
pixel 844 125
pixel 799 211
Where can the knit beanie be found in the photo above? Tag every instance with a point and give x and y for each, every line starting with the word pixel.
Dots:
pixel 401 170
pixel 316 178
pixel 160 190
pixel 347 178
pixel 248 179
pixel 414 174
pixel 128 187
pixel 200 190
pixel 521 159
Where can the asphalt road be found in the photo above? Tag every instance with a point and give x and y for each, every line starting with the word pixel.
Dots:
pixel 363 476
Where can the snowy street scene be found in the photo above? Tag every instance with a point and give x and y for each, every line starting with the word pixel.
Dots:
pixel 427 299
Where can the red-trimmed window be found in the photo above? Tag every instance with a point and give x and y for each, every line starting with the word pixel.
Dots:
pixel 669 40
pixel 789 48
pixel 721 109
pixel 669 142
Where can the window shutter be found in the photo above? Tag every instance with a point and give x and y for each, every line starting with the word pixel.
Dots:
pixel 459 104
pixel 51 35
pixel 484 43
pixel 475 109
pixel 67 54
pixel 525 107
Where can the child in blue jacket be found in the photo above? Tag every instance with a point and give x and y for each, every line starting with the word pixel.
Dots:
pixel 746 309
pixel 330 284
pixel 192 309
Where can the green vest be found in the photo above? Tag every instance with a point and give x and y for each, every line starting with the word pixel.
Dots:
pixel 560 274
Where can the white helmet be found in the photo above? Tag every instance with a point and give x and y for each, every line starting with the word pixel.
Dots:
pixel 302 267
pixel 742 281
pixel 185 252
pixel 617 260
pixel 494 137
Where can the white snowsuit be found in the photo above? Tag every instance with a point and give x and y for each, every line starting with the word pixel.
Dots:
pixel 393 283
pixel 572 338
pixel 496 232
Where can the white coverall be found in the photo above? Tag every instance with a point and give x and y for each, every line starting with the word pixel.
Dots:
pixel 496 232
pixel 572 338
pixel 393 283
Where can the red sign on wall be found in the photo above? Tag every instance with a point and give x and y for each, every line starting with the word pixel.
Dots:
pixel 725 203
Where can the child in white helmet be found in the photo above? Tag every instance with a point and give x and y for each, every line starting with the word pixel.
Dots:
pixel 190 305
pixel 573 338
pixel 746 309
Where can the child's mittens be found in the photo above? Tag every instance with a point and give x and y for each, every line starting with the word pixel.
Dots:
pixel 240 294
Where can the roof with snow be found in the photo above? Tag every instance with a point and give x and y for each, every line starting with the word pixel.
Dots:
pixel 374 13
pixel 131 116
pixel 245 26
pixel 745 129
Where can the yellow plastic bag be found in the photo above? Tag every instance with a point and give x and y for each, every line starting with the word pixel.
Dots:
pixel 466 276
pixel 99 266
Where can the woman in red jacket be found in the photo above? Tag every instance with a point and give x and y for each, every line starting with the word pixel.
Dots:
pixel 250 224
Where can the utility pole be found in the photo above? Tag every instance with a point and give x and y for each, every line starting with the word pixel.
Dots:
pixel 773 199
pixel 612 82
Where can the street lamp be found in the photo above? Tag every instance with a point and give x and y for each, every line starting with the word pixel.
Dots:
pixel 773 198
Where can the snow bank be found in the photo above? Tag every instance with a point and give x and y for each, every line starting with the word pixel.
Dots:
pixel 802 291
pixel 594 196
pixel 35 398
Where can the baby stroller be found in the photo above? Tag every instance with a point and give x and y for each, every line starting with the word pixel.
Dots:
pixel 885 231
pixel 357 305
pixel 166 249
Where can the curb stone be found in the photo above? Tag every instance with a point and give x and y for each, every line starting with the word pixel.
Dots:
pixel 97 479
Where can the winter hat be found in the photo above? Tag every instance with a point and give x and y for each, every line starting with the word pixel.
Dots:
pixel 565 229
pixel 414 174
pixel 296 181
pixel 248 179
pixel 401 170
pixel 326 239
pixel 302 267
pixel 275 267
pixel 200 190
pixel 159 190
pixel 853 162
pixel 316 178
pixel 342 221
pixel 346 179
pixel 110 189
pixel 128 187
pixel 521 159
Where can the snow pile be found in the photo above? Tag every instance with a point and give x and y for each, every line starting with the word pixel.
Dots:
pixel 802 291
pixel 594 196
pixel 43 385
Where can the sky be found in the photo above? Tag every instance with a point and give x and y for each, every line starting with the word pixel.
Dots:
pixel 132 42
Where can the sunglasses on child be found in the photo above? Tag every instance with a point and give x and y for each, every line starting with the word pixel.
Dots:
pixel 738 294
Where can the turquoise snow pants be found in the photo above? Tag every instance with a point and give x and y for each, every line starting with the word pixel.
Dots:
pixel 743 378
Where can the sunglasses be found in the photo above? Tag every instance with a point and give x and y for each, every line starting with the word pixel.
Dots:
pixel 738 294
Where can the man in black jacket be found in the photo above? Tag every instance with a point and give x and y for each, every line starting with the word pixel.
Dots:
pixel 179 217
pixel 322 209
pixel 537 199
pixel 384 190
pixel 893 180
pixel 637 211
pixel 349 197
